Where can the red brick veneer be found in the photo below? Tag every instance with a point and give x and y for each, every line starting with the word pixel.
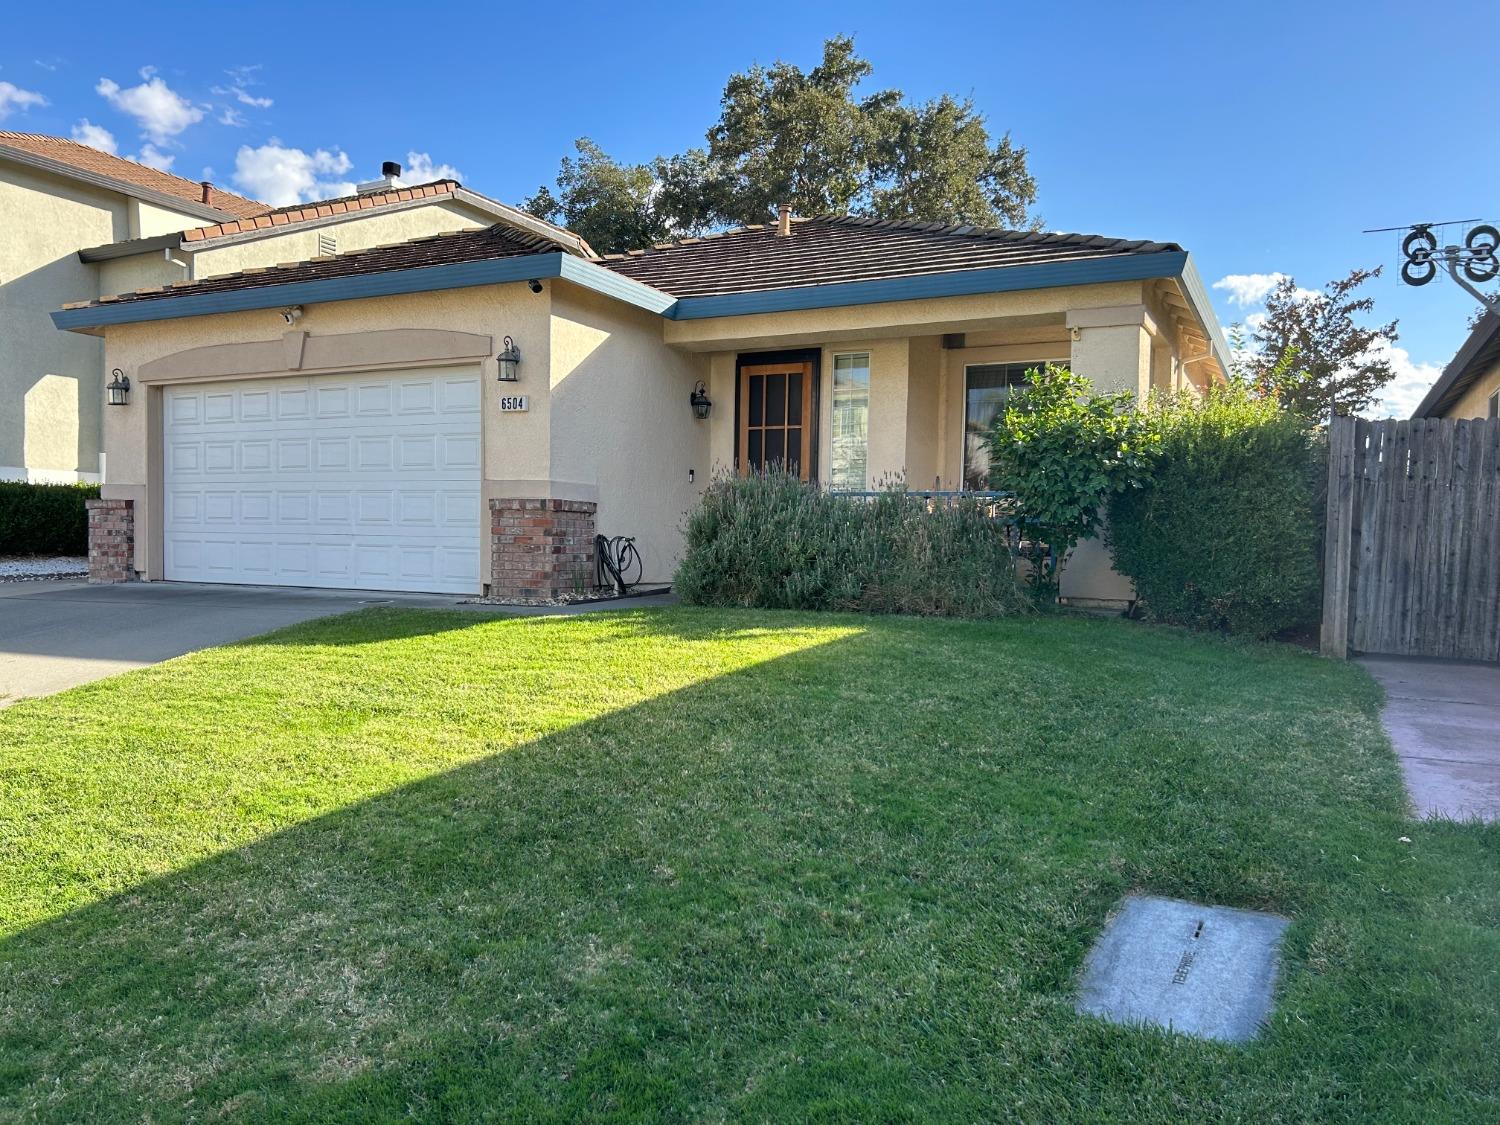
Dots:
pixel 541 548
pixel 111 540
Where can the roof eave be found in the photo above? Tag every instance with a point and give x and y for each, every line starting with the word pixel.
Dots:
pixel 389 283
pixel 1484 333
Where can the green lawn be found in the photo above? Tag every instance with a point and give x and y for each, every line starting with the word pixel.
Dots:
pixel 694 865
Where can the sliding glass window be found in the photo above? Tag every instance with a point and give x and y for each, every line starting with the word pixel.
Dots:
pixel 986 387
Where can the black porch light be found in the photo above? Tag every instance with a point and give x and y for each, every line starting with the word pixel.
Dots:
pixel 509 360
pixel 117 390
pixel 701 403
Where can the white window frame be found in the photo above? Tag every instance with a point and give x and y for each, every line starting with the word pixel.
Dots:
pixel 833 436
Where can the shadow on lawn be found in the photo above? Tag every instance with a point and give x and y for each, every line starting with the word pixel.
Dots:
pixel 534 930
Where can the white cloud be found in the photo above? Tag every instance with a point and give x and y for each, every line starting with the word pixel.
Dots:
pixel 12 98
pixel 281 175
pixel 1246 289
pixel 241 78
pixel 228 115
pixel 95 136
pixel 153 157
pixel 419 169
pixel 1400 396
pixel 161 112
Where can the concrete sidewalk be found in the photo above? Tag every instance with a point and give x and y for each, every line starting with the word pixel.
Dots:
pixel 1444 718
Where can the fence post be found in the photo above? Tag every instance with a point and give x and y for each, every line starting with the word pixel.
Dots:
pixel 1338 562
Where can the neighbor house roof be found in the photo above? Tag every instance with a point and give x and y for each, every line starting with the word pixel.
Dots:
pixel 832 249
pixel 322 212
pixel 482 244
pixel 58 154
pixel 1480 352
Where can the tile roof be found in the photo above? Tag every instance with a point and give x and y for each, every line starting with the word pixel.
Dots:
pixel 837 248
pixel 129 173
pixel 483 244
pixel 321 209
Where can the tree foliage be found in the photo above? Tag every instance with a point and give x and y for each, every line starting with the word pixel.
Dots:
pixel 1062 450
pixel 1313 356
pixel 808 139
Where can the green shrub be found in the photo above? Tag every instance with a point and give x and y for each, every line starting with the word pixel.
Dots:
pixel 772 542
pixel 44 519
pixel 1223 531
pixel 1061 449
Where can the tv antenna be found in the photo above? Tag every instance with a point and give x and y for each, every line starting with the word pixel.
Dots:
pixel 1477 260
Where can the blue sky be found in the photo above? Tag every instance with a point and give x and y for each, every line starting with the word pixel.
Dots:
pixel 1263 137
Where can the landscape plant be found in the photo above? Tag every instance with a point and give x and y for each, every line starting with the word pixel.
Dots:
pixel 773 542
pixel 1223 530
pixel 44 519
pixel 1062 449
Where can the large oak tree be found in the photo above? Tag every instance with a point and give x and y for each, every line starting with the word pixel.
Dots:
pixel 808 139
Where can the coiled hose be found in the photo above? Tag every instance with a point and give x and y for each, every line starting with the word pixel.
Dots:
pixel 616 563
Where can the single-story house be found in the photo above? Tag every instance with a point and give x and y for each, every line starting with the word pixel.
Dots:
pixel 77 223
pixel 1469 386
pixel 462 412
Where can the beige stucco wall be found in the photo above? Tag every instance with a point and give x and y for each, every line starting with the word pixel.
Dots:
pixel 515 454
pixel 621 425
pixel 1475 402
pixel 50 391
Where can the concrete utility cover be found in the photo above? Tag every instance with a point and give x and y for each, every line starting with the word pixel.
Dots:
pixel 1202 970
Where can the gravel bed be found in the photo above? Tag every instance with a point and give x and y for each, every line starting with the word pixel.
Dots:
pixel 32 568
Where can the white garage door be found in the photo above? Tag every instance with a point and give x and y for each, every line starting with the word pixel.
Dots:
pixel 366 481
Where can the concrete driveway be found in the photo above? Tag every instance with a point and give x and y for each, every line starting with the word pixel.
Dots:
pixel 56 635
pixel 1444 718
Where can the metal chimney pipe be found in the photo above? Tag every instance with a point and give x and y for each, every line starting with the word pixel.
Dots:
pixel 784 221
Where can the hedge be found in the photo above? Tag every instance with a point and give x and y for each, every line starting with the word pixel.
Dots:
pixel 44 519
pixel 1223 531
pixel 773 542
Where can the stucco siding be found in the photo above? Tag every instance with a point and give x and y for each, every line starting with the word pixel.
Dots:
pixel 621 423
pixel 50 390
pixel 515 456
pixel 1475 402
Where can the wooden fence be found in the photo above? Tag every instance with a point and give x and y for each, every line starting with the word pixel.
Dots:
pixel 1412 562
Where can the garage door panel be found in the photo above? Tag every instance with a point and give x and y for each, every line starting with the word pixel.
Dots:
pixel 365 481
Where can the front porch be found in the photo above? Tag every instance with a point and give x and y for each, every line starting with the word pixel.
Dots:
pixel 904 393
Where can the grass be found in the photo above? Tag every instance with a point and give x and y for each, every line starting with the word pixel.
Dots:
pixel 705 865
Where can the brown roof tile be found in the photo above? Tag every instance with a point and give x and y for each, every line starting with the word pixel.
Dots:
pixel 128 172
pixel 498 241
pixel 837 248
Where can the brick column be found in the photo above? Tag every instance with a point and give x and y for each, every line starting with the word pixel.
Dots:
pixel 111 540
pixel 541 549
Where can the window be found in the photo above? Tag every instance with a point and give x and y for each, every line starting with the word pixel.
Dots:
pixel 851 422
pixel 986 387
pixel 1494 411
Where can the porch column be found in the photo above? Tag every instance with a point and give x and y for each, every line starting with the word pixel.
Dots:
pixel 1112 347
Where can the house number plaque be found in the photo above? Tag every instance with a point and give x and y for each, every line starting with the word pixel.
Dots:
pixel 514 404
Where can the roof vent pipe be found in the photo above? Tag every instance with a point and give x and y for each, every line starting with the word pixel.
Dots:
pixel 208 190
pixel 390 179
pixel 784 220
pixel 391 168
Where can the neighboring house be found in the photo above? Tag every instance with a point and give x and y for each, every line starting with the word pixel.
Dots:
pixel 77 223
pixel 346 421
pixel 1469 386
pixel 56 197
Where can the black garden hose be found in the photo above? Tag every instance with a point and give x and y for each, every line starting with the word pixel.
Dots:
pixel 616 563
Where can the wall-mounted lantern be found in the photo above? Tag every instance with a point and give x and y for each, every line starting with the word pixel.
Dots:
pixel 700 401
pixel 117 390
pixel 509 360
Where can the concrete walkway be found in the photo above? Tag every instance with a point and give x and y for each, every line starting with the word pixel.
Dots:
pixel 1444 719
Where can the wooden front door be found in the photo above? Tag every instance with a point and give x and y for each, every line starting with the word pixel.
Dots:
pixel 776 422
